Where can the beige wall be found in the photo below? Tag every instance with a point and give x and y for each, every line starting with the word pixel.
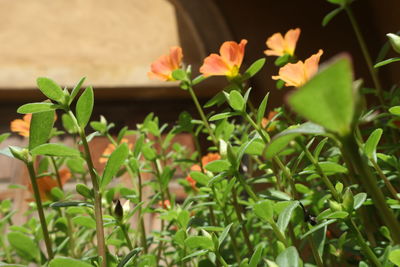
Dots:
pixel 112 43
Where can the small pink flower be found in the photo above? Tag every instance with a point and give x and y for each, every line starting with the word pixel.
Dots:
pixel 163 67
pixel 227 63
pixel 299 73
pixel 279 45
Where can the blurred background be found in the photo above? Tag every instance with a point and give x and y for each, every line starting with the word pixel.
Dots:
pixel 113 43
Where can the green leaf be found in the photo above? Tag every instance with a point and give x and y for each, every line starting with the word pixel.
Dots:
pixel 218 166
pixel 84 107
pixel 288 258
pixel 200 177
pixel 394 256
pixel 76 89
pixel 281 140
pixel 319 226
pixel 68 262
pixel 24 245
pixel 329 168
pixel 131 255
pixel 184 218
pixel 330 16
pixel 40 128
pixel 57 150
pixel 195 254
pixel 224 234
pixel 372 143
pixel 262 108
pixel 3 137
pixel 179 75
pixel 215 100
pixel 85 221
pixel 264 209
pixel 285 215
pixel 256 257
pixel 334 215
pixel 254 69
pixel 36 107
pixel 359 199
pixel 395 110
pixel 236 101
pixel 84 191
pixel 281 61
pixel 50 89
pixel 223 115
pixel 328 98
pixel 198 79
pixel 387 61
pixel 203 242
pixel 70 204
pixel 117 158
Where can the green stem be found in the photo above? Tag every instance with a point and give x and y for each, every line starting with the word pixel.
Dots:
pixel 125 233
pixel 364 246
pixel 101 244
pixel 388 184
pixel 317 257
pixel 53 162
pixel 39 205
pixel 241 222
pixel 278 233
pixel 368 181
pixel 202 115
pixel 366 54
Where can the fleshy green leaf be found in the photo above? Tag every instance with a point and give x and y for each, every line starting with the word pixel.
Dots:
pixel 223 115
pixel 330 16
pixel 372 143
pixel 281 140
pixel 224 234
pixel 36 107
pixel 85 221
pixel 50 89
pixel 319 226
pixel 203 242
pixel 387 61
pixel 359 199
pixel 285 215
pixel 395 110
pixel 40 128
pixel 327 99
pixel 218 166
pixel 57 150
pixel 394 256
pixel 3 137
pixel 131 255
pixel 236 101
pixel 115 161
pixel 68 262
pixel 76 89
pixel 264 209
pixel 84 107
pixel 200 177
pixel 256 257
pixel 288 258
pixel 24 245
pixel 262 108
pixel 254 68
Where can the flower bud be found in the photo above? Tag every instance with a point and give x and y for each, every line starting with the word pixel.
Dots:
pixel 335 206
pixel 118 210
pixel 348 200
pixel 394 41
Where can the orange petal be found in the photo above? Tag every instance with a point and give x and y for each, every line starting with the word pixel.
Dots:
pixel 232 53
pixel 214 65
pixel 291 38
pixel 21 126
pixel 292 74
pixel 276 45
pixel 65 175
pixel 311 64
pixel 175 56
pixel 210 157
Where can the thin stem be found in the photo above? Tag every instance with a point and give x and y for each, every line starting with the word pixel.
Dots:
pixel 202 115
pixel 125 233
pixel 368 180
pixel 101 244
pixel 278 233
pixel 59 182
pixel 367 56
pixel 39 205
pixel 317 257
pixel 365 247
pixel 241 222
pixel 388 184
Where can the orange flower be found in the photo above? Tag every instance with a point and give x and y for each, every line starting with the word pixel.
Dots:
pixel 163 67
pixel 110 148
pixel 166 205
pixel 47 183
pixel 267 121
pixel 227 63
pixel 22 126
pixel 299 73
pixel 280 45
pixel 204 161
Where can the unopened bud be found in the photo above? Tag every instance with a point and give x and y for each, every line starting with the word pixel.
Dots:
pixel 118 210
pixel 348 200
pixel 394 41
